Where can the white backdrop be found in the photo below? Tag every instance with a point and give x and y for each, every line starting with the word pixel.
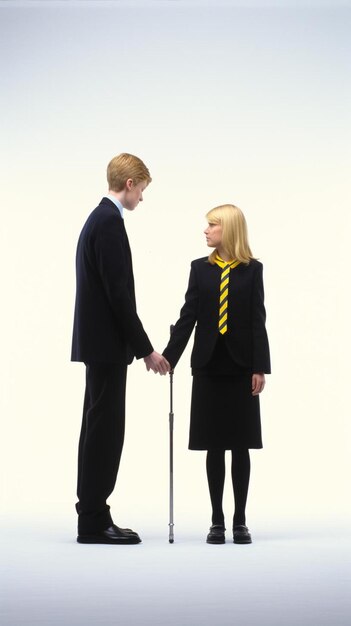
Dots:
pixel 247 103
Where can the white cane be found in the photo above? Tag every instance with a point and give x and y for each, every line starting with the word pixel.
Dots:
pixel 171 422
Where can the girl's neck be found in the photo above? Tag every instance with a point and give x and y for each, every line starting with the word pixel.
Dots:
pixel 224 255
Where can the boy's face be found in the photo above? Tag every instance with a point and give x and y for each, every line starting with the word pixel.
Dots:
pixel 133 194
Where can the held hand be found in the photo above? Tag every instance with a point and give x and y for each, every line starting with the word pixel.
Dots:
pixel 157 363
pixel 258 383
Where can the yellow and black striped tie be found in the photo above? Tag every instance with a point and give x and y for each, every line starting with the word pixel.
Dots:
pixel 226 266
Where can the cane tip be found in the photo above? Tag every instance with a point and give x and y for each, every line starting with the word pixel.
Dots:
pixel 171 541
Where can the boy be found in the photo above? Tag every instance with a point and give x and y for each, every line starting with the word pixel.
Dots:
pixel 107 335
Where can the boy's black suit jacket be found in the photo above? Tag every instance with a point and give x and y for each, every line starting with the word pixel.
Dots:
pixel 106 326
pixel 246 337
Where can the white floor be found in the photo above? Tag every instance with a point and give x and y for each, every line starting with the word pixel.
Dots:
pixel 287 577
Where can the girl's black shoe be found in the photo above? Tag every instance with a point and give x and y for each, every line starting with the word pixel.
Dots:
pixel 241 534
pixel 216 534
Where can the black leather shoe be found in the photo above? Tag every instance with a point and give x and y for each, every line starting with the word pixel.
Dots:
pixel 241 534
pixel 112 535
pixel 128 531
pixel 216 534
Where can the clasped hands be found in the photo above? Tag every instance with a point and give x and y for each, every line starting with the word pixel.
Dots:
pixel 157 363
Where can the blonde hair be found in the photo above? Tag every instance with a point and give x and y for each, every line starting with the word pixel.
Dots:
pixel 125 166
pixel 234 232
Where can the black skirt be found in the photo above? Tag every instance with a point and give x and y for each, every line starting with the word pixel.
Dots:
pixel 224 413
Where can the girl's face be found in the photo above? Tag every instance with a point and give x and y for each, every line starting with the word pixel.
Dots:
pixel 213 234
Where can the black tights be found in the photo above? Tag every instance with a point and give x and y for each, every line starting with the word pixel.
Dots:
pixel 215 466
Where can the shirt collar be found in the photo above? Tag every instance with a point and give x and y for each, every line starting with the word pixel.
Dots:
pixel 225 264
pixel 116 202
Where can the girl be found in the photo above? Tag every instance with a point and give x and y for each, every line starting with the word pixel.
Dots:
pixel 225 299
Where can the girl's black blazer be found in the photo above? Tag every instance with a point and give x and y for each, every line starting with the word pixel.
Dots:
pixel 246 337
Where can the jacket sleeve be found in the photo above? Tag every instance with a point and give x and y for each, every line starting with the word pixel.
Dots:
pixel 186 322
pixel 260 346
pixel 112 266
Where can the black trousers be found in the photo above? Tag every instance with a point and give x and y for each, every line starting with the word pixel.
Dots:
pixel 100 444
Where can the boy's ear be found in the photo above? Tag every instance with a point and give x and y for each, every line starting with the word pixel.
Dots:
pixel 129 184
